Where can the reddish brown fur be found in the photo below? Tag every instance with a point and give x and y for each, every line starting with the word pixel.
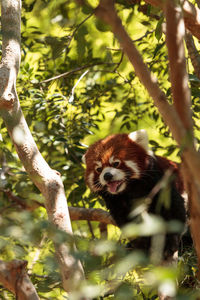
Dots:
pixel 140 172
pixel 122 147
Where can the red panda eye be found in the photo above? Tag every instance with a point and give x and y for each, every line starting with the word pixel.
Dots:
pixel 116 164
pixel 99 169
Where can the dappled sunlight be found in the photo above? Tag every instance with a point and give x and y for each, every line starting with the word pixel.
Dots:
pixel 81 80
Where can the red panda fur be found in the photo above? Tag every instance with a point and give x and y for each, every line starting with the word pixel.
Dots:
pixel 122 169
pixel 122 147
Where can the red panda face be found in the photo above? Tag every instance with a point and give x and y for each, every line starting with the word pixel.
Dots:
pixel 112 162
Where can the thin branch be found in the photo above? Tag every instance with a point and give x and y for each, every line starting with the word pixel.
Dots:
pixel 22 203
pixel 77 27
pixel 74 71
pixel 136 40
pixel 119 63
pixel 145 35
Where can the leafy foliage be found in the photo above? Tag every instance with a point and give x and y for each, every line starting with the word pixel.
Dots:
pixel 76 86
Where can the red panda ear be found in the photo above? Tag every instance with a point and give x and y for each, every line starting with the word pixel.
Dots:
pixel 83 159
pixel 141 138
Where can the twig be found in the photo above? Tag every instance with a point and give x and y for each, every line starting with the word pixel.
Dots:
pixel 145 35
pixel 119 63
pixel 77 27
pixel 74 71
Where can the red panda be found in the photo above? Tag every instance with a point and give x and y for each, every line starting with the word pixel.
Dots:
pixel 122 170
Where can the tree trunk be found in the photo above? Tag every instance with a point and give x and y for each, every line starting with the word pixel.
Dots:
pixel 47 180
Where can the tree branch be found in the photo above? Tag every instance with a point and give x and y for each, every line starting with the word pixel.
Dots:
pixel 191 15
pixel 76 70
pixel 181 96
pixel 47 180
pixel 14 278
pixel 76 213
pixel 91 214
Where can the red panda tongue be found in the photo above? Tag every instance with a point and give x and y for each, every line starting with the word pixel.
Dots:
pixel 113 186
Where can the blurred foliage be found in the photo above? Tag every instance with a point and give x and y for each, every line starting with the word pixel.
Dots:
pixel 75 86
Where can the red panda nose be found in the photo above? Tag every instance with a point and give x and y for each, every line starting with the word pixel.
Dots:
pixel 107 176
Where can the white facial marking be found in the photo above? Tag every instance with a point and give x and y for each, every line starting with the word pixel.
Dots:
pixel 91 184
pixel 98 163
pixel 90 180
pixel 111 159
pixel 133 166
pixel 114 161
pixel 116 173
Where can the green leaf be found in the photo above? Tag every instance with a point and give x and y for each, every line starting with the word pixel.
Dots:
pixel 158 31
pixel 101 26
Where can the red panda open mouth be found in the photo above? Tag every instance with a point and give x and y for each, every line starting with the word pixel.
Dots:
pixel 113 186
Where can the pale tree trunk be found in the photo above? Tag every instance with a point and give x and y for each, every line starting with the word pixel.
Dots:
pixel 178 115
pixel 47 180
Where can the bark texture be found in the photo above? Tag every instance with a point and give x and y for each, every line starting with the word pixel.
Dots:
pixel 47 180
pixel 13 276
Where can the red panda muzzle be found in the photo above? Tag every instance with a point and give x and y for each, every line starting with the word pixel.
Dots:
pixel 112 185
pixel 108 176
